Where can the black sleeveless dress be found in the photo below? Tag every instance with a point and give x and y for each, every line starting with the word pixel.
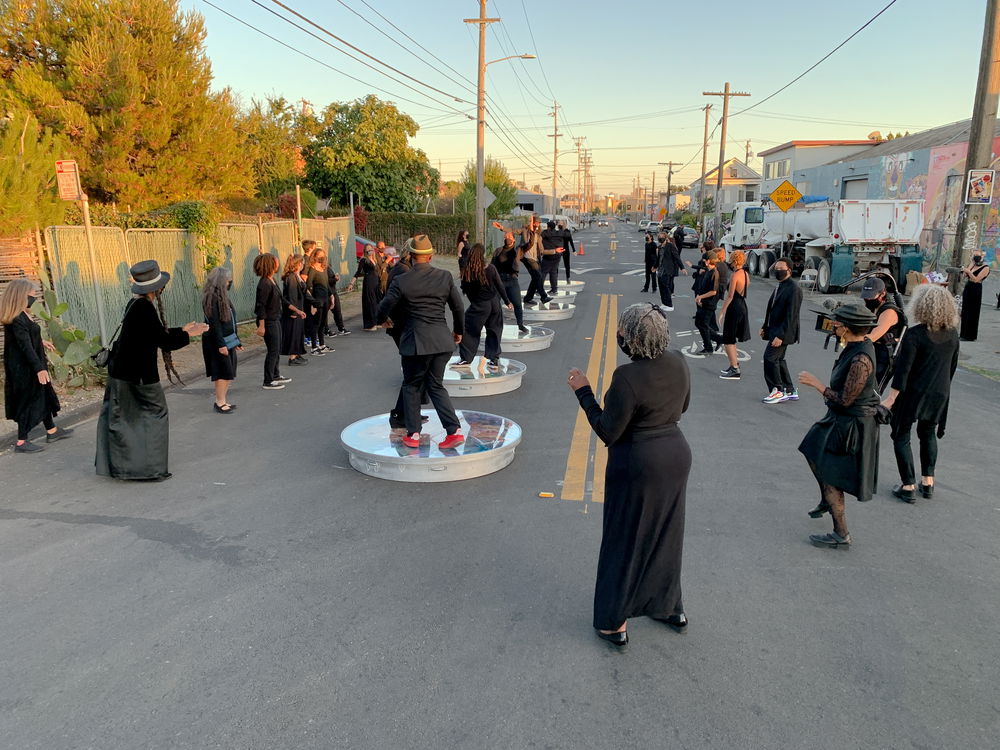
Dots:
pixel 972 300
pixel 736 325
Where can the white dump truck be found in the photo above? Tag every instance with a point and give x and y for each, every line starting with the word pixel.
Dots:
pixel 840 240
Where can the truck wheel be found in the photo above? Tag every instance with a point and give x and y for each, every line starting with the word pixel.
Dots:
pixel 811 263
pixel 751 264
pixel 767 259
pixel 823 276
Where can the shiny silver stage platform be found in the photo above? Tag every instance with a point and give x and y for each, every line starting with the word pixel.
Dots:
pixel 478 379
pixel 573 286
pixel 512 340
pixel 378 451
pixel 548 311
pixel 563 295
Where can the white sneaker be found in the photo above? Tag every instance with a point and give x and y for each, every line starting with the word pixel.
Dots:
pixel 667 308
pixel 775 397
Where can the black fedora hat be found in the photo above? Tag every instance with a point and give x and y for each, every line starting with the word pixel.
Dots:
pixel 857 316
pixel 147 277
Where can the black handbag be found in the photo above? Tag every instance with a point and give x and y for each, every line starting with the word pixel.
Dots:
pixel 103 356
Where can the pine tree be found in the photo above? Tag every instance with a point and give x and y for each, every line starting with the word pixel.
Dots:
pixel 28 154
pixel 127 82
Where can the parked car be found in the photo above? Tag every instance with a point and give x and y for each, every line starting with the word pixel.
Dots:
pixel 643 223
pixel 653 227
pixel 691 237
pixel 602 222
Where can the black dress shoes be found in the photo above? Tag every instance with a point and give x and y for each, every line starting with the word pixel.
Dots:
pixel 907 496
pixel 616 639
pixel 833 540
pixel 819 510
pixel 677 623
pixel 927 490
pixel 61 433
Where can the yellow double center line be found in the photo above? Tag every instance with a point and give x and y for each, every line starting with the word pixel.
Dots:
pixel 600 367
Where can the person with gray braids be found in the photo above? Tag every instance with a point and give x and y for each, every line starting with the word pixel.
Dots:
pixel 132 431
pixel 639 567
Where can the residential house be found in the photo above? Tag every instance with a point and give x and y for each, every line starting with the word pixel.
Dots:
pixel 739 183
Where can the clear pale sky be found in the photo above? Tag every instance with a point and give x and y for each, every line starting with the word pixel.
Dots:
pixel 915 67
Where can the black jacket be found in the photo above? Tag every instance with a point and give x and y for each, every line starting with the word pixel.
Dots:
pixel 678 235
pixel 668 260
pixel 218 328
pixel 781 320
pixel 25 399
pixel 552 241
pixel 270 303
pixel 567 237
pixel 492 289
pixel 142 336
pixel 925 366
pixel 650 255
pixel 423 293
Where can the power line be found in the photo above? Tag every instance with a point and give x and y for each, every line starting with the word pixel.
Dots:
pixel 451 110
pixel 818 62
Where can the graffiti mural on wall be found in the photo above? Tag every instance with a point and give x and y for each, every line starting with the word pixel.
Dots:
pixel 904 176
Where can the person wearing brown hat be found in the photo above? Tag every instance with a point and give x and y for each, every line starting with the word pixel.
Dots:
pixel 842 448
pixel 425 342
pixel 132 431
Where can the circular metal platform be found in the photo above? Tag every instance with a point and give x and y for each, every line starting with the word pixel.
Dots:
pixel 378 451
pixel 573 286
pixel 479 379
pixel 512 340
pixel 563 295
pixel 549 311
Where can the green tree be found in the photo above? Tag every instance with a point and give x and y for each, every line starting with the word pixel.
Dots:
pixel 127 82
pixel 497 179
pixel 28 153
pixel 363 147
pixel 275 137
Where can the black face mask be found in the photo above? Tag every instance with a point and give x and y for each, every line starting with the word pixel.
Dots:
pixel 782 275
pixel 872 304
pixel 624 346
pixel 32 299
pixel 977 258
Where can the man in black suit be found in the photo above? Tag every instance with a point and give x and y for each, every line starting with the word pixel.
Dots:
pixel 425 342
pixel 781 329
pixel 552 247
pixel 678 235
pixel 668 266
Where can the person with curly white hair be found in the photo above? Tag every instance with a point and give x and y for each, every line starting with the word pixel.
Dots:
pixel 639 568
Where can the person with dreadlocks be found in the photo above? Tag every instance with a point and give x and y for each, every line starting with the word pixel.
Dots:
pixel 132 431
pixel 481 283
pixel 649 460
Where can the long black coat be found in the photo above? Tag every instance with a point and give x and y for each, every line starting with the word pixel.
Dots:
pixel 639 568
pixel 924 369
pixel 424 292
pixel 668 260
pixel 781 319
pixel 26 401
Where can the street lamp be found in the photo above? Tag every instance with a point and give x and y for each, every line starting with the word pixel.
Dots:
pixel 481 131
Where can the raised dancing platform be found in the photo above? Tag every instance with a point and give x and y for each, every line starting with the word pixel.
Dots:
pixel 573 286
pixel 378 451
pixel 563 295
pixel 478 379
pixel 512 340
pixel 548 311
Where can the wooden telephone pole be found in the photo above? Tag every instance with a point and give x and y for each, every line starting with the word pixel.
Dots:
pixel 670 175
pixel 555 135
pixel 726 95
pixel 704 166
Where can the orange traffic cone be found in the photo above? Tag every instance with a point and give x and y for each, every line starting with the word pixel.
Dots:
pixel 581 251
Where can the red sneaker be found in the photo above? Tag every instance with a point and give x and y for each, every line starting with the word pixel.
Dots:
pixel 412 441
pixel 452 441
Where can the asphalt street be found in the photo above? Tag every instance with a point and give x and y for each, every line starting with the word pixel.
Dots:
pixel 269 596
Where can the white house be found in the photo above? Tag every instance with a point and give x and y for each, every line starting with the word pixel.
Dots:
pixel 739 183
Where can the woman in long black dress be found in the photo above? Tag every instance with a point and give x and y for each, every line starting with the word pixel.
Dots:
pixel 734 317
pixel 133 429
pixel 972 295
pixel 639 568
pixel 220 344
pixel 368 272
pixel 293 327
pixel 481 283
pixel 842 448
pixel 921 386
pixel 29 397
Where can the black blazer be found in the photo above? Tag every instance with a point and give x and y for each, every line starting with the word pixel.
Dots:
pixel 423 292
pixel 925 366
pixel 668 260
pixel 142 335
pixel 781 320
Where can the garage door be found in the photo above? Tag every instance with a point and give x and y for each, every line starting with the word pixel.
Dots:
pixel 856 189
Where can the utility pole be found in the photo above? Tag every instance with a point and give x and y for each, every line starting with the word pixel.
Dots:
pixel 579 176
pixel 670 174
pixel 481 121
pixel 726 95
pixel 968 235
pixel 555 157
pixel 652 195
pixel 704 166
pixel 749 153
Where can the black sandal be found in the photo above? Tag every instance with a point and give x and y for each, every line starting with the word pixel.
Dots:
pixel 224 409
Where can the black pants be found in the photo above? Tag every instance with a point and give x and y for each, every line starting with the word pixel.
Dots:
pixel 535 286
pixel 426 371
pixel 565 258
pixel 703 322
pixel 776 373
pixel 927 436
pixel 23 429
pixel 319 322
pixel 550 271
pixel 650 278
pixel 513 289
pixel 272 340
pixel 338 314
pixel 666 290
pixel 481 314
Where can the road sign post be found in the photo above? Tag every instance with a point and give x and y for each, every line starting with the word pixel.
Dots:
pixel 68 184
pixel 784 197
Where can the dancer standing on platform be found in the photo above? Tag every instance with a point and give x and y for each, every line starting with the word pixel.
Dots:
pixel 369 272
pixel 706 300
pixel 481 283
pixel 568 247
pixel 29 397
pixel 781 330
pixel 293 328
pixel 426 343
pixel 531 248
pixel 552 246
pixel 734 317
pixel 639 568
pixel 505 259
pixel 133 429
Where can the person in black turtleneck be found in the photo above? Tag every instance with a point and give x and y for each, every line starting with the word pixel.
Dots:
pixel 505 259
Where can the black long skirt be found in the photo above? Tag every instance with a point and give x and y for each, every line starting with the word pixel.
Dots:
pixel 133 431
pixel 639 568
pixel 843 451
pixel 293 331
pixel 972 301
pixel 369 299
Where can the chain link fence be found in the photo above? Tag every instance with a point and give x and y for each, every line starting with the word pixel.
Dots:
pixel 334 236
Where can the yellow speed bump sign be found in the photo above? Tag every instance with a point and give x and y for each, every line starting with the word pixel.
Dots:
pixel 785 195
